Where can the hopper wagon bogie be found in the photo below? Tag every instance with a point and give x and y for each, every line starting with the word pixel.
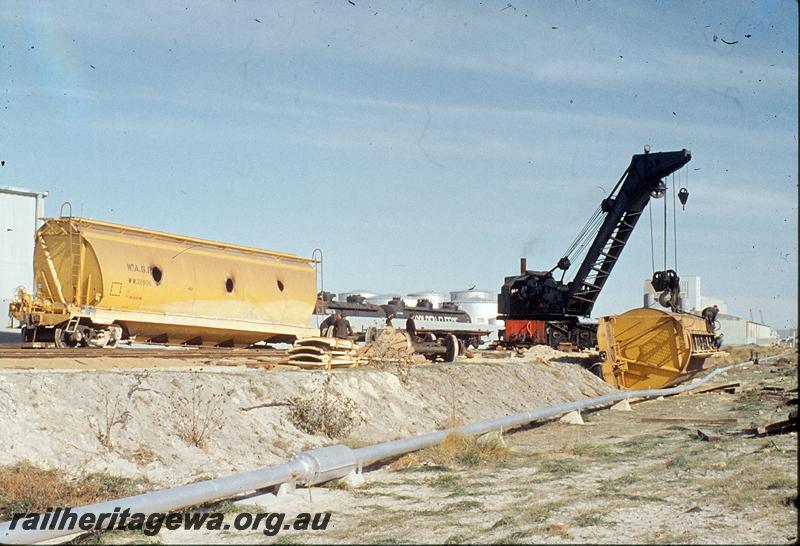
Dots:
pixel 97 283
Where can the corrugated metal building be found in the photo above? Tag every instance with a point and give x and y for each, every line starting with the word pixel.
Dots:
pixel 20 211
pixel 739 331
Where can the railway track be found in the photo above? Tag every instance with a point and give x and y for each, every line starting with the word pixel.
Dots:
pixel 19 352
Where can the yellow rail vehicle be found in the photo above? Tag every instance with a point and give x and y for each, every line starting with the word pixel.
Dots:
pixel 651 349
pixel 97 283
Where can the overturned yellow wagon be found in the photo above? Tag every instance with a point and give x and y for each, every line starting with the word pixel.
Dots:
pixel 651 349
pixel 97 283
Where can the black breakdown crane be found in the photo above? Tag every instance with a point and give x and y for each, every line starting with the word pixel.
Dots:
pixel 537 306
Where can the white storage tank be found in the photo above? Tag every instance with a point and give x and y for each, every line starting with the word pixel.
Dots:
pixel 436 298
pixel 20 211
pixel 381 299
pixel 479 304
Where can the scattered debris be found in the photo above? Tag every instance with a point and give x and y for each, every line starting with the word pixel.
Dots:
pixel 779 427
pixel 323 352
pixel 262 365
pixel 707 435
pixel 729 388
pixel 703 420
pixel 390 346
pixel 267 405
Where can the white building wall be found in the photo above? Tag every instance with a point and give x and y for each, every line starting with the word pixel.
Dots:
pixel 739 331
pixel 20 211
pixel 690 293
pixel 708 302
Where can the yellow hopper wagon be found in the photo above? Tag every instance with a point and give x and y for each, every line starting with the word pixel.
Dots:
pixel 650 349
pixel 98 283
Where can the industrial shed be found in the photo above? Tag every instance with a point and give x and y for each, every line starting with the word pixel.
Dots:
pixel 20 213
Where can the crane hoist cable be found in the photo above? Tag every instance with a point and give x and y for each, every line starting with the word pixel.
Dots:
pixel 674 223
pixel 586 228
pixel 652 240
pixel 577 253
pixel 589 230
pixel 587 240
pixel 665 231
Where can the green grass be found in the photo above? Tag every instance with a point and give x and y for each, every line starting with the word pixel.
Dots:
pixel 455 485
pixel 540 512
pixel 680 462
pixel 561 467
pixel 627 479
pixel 591 519
pixel 593 451
pixel 465 505
pixel 757 485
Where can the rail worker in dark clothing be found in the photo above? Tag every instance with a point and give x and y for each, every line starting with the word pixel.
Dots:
pixel 411 328
pixel 389 318
pixel 710 316
pixel 341 327
pixel 328 323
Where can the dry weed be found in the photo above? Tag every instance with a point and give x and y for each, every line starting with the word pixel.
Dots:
pixel 25 487
pixel 198 416
pixel 112 417
pixel 329 411
pixel 455 449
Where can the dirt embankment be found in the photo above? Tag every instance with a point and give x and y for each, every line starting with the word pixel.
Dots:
pixel 175 425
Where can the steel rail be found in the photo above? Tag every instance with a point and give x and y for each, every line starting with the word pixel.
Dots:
pixel 324 464
pixel 177 353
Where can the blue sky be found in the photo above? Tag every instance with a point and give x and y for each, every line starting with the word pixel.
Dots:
pixel 421 145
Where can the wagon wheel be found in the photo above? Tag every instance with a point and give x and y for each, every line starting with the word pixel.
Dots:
pixel 452 347
pixel 61 340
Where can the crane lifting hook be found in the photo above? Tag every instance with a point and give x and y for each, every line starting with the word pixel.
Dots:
pixel 683 196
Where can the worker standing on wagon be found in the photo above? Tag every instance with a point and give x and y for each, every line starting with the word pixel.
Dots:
pixel 709 314
pixel 389 318
pixel 341 327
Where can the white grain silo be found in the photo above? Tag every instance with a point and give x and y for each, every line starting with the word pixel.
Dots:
pixel 436 298
pixel 382 299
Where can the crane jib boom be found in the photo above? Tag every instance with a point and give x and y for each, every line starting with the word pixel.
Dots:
pixel 536 295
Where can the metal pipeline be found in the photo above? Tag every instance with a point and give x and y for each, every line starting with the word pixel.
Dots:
pixel 324 464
